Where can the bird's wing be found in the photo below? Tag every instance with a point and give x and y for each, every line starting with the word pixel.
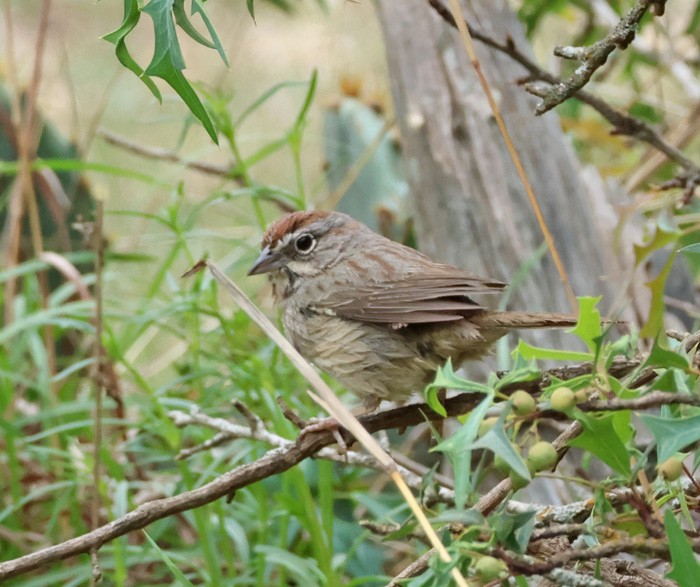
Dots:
pixel 427 297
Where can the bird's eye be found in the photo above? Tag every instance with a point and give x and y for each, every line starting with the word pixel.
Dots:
pixel 304 243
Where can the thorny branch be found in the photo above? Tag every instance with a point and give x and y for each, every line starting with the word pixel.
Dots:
pixel 622 123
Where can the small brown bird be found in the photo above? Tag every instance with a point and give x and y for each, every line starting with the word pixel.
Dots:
pixel 378 316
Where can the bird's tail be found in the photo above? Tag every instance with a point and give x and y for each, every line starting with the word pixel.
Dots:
pixel 516 320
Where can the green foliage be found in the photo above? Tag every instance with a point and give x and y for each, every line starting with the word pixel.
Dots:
pixel 167 61
pixel 685 566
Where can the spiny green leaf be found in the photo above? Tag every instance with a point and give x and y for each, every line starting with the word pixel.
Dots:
pixel 513 530
pixel 662 237
pixel 445 377
pixel 668 359
pixel 672 434
pixel 530 352
pixel 588 326
pixel 498 442
pixel 132 14
pixel 602 436
pixel 519 375
pixel 685 569
pixel 655 322
pixel 675 381
pixel 458 448
pixel 167 62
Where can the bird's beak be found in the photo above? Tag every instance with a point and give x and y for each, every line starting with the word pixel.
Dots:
pixel 266 262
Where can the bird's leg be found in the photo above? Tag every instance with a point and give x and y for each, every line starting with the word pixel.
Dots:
pixel 369 405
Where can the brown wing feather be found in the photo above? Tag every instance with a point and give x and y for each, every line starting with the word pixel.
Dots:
pixel 418 299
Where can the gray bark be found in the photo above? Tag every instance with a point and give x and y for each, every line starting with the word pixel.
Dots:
pixel 470 206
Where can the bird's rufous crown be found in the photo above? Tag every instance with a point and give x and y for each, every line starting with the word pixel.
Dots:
pixel 289 224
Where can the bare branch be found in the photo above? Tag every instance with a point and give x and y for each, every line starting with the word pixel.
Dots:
pixel 594 57
pixel 165 155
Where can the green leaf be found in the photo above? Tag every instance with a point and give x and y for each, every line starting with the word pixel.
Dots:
pixel 529 352
pixel 167 62
pixel 186 25
pixel 172 567
pixel 445 378
pixel 672 434
pixel 661 238
pixel 308 99
pixel 675 381
pixel 603 436
pixel 513 531
pixel 519 375
pixel 588 326
pixel 668 359
pixel 655 322
pixel 132 14
pixel 470 517
pixel 685 569
pixel 251 8
pixel 691 250
pixel 264 97
pixel 458 448
pixel 498 442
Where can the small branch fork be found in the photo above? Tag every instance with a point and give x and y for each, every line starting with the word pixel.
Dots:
pixel 555 90
pixel 595 56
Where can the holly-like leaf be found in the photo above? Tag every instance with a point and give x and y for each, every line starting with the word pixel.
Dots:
pixel 588 326
pixel 672 434
pixel 498 442
pixel 662 238
pixel 529 352
pixel 513 530
pixel 529 372
pixel 445 378
pixel 603 436
pixel 655 322
pixel 686 569
pixel 167 62
pixel 458 448
pixel 661 357
pixel 186 25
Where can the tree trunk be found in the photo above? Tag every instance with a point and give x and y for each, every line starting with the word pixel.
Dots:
pixel 470 206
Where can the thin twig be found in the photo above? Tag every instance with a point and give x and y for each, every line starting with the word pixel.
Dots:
pixel 594 57
pixel 97 243
pixel 165 155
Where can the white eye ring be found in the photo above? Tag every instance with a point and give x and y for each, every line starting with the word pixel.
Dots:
pixel 304 243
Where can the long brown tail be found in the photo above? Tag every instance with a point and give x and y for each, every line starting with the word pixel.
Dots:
pixel 515 320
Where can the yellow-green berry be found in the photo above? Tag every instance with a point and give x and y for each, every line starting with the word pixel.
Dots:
pixel 523 403
pixel 671 469
pixel 542 456
pixel 489 568
pixel 563 399
pixel 581 395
